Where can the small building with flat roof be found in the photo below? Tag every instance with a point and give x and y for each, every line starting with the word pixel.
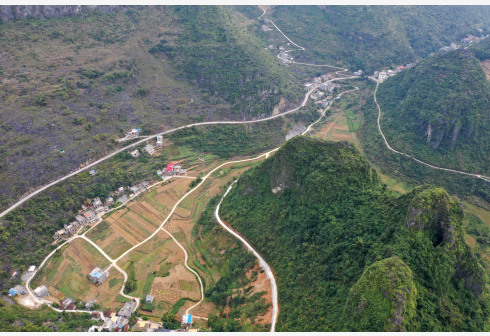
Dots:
pixel 98 276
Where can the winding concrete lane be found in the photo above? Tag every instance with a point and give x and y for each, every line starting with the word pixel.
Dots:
pixel 263 263
pixel 78 171
pixel 483 177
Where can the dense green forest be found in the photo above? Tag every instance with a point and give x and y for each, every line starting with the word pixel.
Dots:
pixel 373 37
pixel 406 169
pixel 319 214
pixel 438 111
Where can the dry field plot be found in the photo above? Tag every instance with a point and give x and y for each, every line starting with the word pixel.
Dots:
pixel 160 254
pixel 66 275
pixel 132 224
pixel 179 284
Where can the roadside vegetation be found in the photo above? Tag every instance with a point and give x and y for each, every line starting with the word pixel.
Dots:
pixel 331 219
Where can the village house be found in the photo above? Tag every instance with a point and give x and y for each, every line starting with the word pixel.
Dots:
pixel 127 309
pixel 146 326
pixel 59 234
pixel 159 142
pixel 178 170
pixel 115 323
pixel 98 276
pixel 41 291
pixel 96 202
pixel 67 303
pixel 13 275
pixel 122 199
pixel 90 216
pixel 149 149
pixel 93 172
pixel 186 320
pixel 135 153
pixel 265 28
pixel 81 219
pixel 133 133
pixel 109 201
pixel 149 298
pixel 17 290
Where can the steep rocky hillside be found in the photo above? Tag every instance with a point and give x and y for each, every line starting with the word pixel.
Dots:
pixel 349 256
pixel 373 37
pixel 70 85
pixel 438 111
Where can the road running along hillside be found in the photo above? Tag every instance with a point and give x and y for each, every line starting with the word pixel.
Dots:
pixel 41 189
pixel 483 177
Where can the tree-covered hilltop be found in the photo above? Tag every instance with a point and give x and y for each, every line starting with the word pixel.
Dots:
pixel 218 49
pixel 348 255
pixel 373 37
pixel 438 111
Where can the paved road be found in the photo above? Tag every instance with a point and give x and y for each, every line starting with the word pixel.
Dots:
pixel 263 263
pixel 41 189
pixel 483 177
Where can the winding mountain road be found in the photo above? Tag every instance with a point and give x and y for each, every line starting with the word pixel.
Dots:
pixel 78 171
pixel 262 262
pixel 483 177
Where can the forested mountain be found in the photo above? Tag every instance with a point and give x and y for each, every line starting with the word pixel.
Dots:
pixel 70 85
pixel 348 255
pixel 438 111
pixel 373 37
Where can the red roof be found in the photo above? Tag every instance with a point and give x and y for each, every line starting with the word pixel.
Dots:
pixel 126 327
pixel 108 313
pixel 70 307
pixel 170 167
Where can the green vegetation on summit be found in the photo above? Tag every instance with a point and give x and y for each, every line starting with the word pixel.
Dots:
pixel 438 111
pixel 319 214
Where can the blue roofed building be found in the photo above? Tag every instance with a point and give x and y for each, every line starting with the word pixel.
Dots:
pixel 98 276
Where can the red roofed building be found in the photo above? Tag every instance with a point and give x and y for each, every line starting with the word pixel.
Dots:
pixel 170 167
pixel 108 313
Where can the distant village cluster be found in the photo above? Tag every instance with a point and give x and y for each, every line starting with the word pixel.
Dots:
pixel 324 94
pixel 466 42
pixel 382 75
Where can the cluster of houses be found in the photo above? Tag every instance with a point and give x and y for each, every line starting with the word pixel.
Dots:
pixel 382 75
pixel 172 170
pixel 91 213
pixel 119 321
pixel 149 148
pixel 87 216
pixel 98 276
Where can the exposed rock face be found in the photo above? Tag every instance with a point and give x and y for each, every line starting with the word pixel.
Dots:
pixel 439 216
pixel 21 12
pixel 385 298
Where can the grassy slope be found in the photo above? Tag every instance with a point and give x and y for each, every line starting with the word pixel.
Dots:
pixel 450 93
pixel 371 37
pixel 75 83
pixel 333 219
